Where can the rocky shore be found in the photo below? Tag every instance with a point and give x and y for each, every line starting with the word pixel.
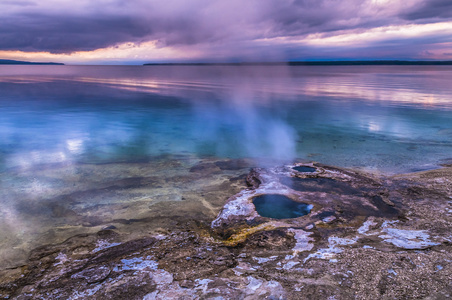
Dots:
pixel 366 237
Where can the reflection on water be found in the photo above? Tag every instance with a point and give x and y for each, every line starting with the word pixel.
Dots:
pixel 386 118
pixel 84 146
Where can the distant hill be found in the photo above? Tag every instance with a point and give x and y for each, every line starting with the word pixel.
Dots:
pixel 321 63
pixel 18 62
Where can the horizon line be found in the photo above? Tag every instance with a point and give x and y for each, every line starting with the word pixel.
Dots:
pixel 314 63
pixel 256 63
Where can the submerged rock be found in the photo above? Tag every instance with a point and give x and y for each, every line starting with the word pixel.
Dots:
pixel 352 245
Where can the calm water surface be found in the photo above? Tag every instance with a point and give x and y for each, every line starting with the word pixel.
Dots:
pixel 388 119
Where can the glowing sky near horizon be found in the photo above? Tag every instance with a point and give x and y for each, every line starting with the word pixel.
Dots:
pixel 138 31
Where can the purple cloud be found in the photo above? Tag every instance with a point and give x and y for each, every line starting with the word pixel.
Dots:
pixel 232 28
pixel 438 9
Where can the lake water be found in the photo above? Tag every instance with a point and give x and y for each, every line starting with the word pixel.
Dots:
pixel 82 147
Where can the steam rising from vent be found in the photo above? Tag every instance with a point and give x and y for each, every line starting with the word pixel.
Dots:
pixel 240 124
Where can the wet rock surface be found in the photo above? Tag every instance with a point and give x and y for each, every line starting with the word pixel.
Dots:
pixel 366 237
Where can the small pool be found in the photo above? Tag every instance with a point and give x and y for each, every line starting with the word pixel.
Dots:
pixel 305 169
pixel 280 207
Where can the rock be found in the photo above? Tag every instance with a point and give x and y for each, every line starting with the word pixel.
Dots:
pixel 252 179
pixel 234 164
pixel 94 274
pixel 371 249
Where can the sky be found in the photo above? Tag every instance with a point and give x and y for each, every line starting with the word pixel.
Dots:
pixel 140 31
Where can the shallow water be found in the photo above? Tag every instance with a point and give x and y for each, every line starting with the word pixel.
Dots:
pixel 83 147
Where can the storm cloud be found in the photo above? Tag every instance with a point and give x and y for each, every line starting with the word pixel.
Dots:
pixel 228 27
pixel 437 9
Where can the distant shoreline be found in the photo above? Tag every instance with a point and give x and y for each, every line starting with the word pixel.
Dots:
pixel 288 63
pixel 317 63
pixel 18 62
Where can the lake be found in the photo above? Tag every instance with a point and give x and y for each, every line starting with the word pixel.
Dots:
pixel 134 147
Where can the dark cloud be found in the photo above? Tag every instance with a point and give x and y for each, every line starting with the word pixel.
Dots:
pixel 310 16
pixel 430 9
pixel 217 24
pixel 70 32
pixel 59 34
